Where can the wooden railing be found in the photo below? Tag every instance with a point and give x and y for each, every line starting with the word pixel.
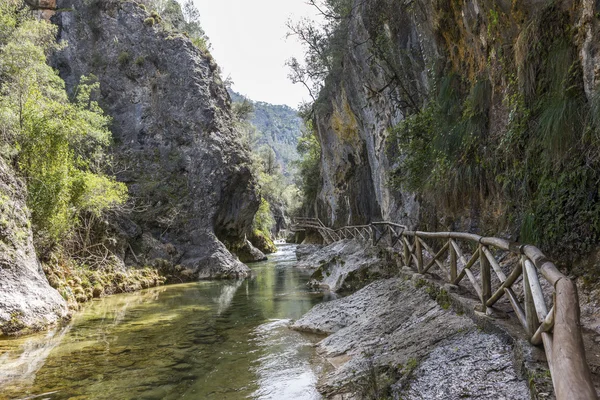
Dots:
pixel 547 309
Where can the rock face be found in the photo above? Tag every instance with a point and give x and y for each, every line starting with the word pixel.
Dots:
pixel 174 142
pixel 394 55
pixel 346 265
pixel 26 299
pixel 389 339
pixel 355 111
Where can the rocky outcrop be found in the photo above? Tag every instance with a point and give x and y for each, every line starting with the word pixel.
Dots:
pixel 175 146
pixel 27 302
pixel 347 265
pixel 389 339
pixel 356 109
pixel 303 251
pixel 248 253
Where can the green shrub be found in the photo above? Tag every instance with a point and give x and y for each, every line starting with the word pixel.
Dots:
pixel 200 43
pixel 61 141
pixel 263 219
pixel 149 21
pixel 157 18
pixel 124 58
pixel 140 61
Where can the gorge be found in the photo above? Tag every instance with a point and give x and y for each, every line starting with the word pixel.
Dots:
pixel 128 162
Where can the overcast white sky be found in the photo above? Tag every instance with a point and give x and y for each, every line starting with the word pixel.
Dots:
pixel 248 42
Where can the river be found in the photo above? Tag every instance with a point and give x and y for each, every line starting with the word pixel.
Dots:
pixel 204 340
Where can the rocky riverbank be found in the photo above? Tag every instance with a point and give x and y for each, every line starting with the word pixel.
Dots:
pixel 389 339
pixel 344 266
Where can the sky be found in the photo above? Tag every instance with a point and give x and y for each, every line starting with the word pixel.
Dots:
pixel 249 43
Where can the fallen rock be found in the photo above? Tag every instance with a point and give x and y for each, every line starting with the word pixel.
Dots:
pixel 248 253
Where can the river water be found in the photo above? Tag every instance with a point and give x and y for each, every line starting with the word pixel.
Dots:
pixel 205 340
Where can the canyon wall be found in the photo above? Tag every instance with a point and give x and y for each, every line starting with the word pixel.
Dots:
pixel 465 115
pixel 175 145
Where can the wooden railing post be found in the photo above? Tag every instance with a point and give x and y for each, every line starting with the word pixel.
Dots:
pixel 418 254
pixel 530 312
pixel 453 263
pixel 486 277
pixel 407 260
pixel 571 373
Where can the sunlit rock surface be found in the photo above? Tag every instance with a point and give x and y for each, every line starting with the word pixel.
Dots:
pixel 345 265
pixel 26 299
pixel 175 145
pixel 393 336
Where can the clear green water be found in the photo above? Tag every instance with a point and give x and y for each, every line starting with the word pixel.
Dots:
pixel 206 340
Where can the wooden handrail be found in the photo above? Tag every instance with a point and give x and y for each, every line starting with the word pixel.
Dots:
pixel 558 329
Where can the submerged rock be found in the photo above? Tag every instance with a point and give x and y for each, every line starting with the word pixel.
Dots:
pixel 390 336
pixel 248 253
pixel 27 301
pixel 175 143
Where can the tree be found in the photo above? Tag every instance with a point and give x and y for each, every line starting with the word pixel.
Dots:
pixel 192 26
pixel 59 142
pixel 309 167
pixel 324 43
pixel 269 160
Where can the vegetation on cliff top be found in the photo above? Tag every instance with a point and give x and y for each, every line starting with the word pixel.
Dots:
pixel 271 132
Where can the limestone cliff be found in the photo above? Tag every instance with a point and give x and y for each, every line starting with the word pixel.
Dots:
pixel 357 107
pixel 26 299
pixel 521 80
pixel 175 145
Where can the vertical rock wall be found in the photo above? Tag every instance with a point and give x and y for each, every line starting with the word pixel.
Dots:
pixel 359 105
pixel 174 143
pixel 394 53
pixel 27 302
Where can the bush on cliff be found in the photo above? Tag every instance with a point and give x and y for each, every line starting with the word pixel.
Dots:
pixel 59 142
pixel 539 167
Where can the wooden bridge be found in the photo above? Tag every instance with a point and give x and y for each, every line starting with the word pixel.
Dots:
pixel 547 308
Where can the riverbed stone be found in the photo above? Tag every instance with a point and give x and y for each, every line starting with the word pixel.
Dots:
pixel 390 334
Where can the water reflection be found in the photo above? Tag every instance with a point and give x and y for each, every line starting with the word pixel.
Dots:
pixel 206 340
pixel 227 292
pixel 19 367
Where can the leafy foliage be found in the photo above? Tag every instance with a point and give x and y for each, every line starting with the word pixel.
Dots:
pixel 263 220
pixel 180 16
pixel 324 43
pixel 270 132
pixel 277 126
pixel 542 168
pixel 60 143
pixel 309 167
